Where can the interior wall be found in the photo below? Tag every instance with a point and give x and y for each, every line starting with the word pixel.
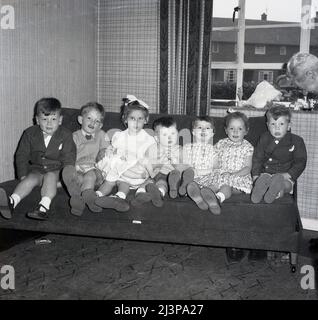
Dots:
pixel 50 52
pixel 127 52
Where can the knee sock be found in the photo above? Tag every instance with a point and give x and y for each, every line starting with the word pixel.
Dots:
pixel 162 191
pixel 121 195
pixel 45 203
pixel 141 189
pixel 220 196
pixel 99 194
pixel 15 199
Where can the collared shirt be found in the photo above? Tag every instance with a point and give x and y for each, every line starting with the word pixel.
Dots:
pixel 47 138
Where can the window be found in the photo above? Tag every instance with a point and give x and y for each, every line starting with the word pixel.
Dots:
pixel 265 75
pixel 215 47
pixel 282 51
pixel 260 49
pixel 229 75
pixel 256 45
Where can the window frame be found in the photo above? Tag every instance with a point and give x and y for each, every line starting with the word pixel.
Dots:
pixel 230 74
pixel 260 50
pixel 282 51
pixel 270 74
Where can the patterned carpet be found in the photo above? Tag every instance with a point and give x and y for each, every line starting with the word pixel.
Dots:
pixel 88 268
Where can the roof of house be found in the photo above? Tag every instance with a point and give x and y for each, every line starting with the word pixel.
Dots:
pixel 276 36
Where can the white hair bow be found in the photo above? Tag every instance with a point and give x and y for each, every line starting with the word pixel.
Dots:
pixel 132 98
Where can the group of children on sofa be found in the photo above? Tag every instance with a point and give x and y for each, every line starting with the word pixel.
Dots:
pixel 152 165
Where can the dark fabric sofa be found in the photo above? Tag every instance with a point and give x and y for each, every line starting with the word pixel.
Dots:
pixel 242 224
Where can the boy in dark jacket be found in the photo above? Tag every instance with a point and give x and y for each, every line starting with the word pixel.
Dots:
pixel 279 158
pixel 44 149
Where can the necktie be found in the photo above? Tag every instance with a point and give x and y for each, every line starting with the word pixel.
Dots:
pixel 88 136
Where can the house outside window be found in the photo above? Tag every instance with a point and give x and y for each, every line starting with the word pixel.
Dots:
pixel 229 75
pixel 282 51
pixel 260 50
pixel 215 47
pixel 266 75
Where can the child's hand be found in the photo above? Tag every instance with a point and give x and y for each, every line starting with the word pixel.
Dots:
pixel 101 154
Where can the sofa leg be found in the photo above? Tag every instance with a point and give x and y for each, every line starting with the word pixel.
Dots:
pixel 293 261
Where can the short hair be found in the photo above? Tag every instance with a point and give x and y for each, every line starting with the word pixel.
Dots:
pixel 276 111
pixel 47 106
pixel 92 105
pixel 205 119
pixel 165 122
pixel 300 63
pixel 237 115
pixel 128 107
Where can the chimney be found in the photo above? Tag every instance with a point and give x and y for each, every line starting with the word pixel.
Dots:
pixel 264 17
pixel 316 17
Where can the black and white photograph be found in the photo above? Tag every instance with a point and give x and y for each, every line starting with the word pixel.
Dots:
pixel 158 155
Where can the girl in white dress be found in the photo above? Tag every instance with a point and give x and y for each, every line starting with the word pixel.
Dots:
pixel 125 168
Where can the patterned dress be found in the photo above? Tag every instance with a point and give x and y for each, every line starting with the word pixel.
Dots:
pixel 232 156
pixel 200 157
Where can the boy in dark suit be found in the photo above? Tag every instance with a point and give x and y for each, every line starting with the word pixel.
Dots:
pixel 44 149
pixel 279 158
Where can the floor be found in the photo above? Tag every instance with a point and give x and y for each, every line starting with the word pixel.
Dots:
pixel 92 268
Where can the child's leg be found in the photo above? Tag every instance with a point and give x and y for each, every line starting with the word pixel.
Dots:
pixel 224 193
pixel 7 204
pixel 260 187
pixel 187 177
pixel 48 192
pixel 194 192
pixel 141 195
pixel 88 193
pixel 72 181
pixel 106 188
pixel 211 199
pixel 173 182
pixel 278 186
pixel 25 187
pixel 162 183
pixel 117 201
pixel 156 194
pixel 123 189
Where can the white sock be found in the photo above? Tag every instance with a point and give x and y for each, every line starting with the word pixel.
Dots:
pixel 99 194
pixel 45 202
pixel 162 190
pixel 15 199
pixel 141 189
pixel 121 195
pixel 220 196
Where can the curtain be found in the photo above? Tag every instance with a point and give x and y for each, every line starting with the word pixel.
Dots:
pixel 185 34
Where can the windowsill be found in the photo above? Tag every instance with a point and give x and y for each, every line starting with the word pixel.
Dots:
pixel 226 107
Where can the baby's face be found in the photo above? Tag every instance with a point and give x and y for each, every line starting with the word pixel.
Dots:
pixel 167 136
pixel 202 131
pixel 278 128
pixel 49 123
pixel 91 121
pixel 236 130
